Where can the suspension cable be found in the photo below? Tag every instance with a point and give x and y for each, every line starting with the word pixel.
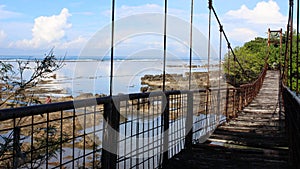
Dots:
pixel 112 47
pixel 165 45
pixel 227 40
pixel 220 52
pixel 297 56
pixel 219 74
pixel 286 59
pixel 285 66
pixel 291 44
pixel 209 39
pixel 228 63
pixel 191 43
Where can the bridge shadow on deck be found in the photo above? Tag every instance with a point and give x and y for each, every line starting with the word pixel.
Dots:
pixel 255 139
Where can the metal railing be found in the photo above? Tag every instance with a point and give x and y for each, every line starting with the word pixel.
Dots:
pixel 292 119
pixel 290 85
pixel 52 135
pixel 126 131
pixel 240 97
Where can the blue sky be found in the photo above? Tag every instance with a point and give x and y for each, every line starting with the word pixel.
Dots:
pixel 32 27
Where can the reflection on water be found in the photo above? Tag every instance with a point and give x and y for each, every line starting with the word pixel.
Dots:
pixel 140 135
pixel 94 76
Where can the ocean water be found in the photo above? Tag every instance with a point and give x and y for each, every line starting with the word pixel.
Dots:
pixel 92 74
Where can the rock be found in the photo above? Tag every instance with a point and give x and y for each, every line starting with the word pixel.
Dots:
pixel 173 81
pixel 85 95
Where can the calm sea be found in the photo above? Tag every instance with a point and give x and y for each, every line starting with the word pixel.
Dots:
pixel 92 74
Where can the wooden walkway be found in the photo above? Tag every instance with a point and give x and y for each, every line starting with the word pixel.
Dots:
pixel 253 140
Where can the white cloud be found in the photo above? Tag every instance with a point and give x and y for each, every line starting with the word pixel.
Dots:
pixel 242 34
pixel 5 14
pixel 262 13
pixel 245 24
pixel 47 30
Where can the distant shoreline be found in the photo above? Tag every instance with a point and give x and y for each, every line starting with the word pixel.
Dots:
pixel 12 58
pixel 64 84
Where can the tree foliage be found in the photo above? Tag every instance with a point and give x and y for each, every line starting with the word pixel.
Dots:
pixel 292 69
pixel 16 80
pixel 14 83
pixel 251 57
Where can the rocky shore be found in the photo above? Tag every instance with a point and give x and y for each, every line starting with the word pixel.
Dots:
pixel 39 94
pixel 179 81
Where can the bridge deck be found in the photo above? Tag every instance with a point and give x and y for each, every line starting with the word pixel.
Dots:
pixel 253 140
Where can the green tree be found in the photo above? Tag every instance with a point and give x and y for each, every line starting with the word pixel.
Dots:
pixel 14 85
pixel 251 57
pixel 14 92
pixel 293 70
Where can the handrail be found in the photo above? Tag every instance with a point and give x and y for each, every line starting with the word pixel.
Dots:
pixel 292 118
pixel 69 119
pixel 251 90
pixel 118 111
pixel 20 112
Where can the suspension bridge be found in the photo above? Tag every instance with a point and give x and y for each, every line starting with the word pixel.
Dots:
pixel 253 125
pixel 254 139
